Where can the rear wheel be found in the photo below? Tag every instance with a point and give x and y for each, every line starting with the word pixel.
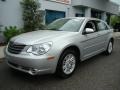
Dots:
pixel 67 63
pixel 109 48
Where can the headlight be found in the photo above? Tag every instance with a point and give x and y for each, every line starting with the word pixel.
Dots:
pixel 40 49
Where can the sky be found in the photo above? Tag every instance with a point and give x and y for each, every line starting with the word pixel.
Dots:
pixel 116 1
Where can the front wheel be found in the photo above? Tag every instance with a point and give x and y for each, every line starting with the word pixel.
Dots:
pixel 109 48
pixel 67 64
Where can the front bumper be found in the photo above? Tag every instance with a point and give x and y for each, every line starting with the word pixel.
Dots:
pixel 30 64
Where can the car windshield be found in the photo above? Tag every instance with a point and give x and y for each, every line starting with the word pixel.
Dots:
pixel 72 25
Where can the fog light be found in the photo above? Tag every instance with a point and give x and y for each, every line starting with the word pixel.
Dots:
pixel 33 71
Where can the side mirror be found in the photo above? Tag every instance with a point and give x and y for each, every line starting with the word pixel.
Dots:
pixel 88 30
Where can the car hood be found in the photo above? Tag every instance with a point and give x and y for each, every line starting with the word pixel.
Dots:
pixel 36 37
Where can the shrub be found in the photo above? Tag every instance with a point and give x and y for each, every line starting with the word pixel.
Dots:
pixel 11 32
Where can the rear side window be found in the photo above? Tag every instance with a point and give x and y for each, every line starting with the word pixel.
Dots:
pixel 101 26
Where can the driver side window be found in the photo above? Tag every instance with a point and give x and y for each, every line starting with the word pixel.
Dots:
pixel 91 25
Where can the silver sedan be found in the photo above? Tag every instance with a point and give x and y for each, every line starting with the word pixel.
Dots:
pixel 60 46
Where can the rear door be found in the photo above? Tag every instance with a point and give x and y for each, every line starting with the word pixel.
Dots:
pixel 103 31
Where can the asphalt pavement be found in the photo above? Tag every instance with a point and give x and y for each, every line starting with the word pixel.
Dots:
pixel 98 73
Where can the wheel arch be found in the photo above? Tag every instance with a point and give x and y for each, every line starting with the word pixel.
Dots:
pixel 73 47
pixel 112 39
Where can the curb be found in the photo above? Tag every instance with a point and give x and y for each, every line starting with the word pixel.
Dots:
pixel 2 53
pixel 117 37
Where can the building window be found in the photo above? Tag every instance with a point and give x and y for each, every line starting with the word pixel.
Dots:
pixel 79 15
pixel 52 15
pixel 3 0
pixel 108 18
pixel 96 14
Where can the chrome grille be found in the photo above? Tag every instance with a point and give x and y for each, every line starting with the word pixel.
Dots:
pixel 15 48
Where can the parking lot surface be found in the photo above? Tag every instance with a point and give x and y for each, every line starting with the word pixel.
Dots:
pixel 98 73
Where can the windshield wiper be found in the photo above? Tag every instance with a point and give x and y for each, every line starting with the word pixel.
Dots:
pixel 54 29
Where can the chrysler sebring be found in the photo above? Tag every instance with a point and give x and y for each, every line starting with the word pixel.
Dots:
pixel 60 46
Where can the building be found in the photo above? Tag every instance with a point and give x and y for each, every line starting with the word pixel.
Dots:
pixel 11 12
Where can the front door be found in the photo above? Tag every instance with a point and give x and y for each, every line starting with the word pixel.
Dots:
pixel 90 42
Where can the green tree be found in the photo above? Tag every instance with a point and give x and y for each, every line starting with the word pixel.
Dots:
pixel 31 16
pixel 115 20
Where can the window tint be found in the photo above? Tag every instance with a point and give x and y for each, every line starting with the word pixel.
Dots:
pixel 91 25
pixel 101 26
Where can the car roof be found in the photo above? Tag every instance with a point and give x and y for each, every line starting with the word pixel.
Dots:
pixel 89 18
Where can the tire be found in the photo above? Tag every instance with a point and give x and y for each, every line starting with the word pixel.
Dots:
pixel 67 63
pixel 109 48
